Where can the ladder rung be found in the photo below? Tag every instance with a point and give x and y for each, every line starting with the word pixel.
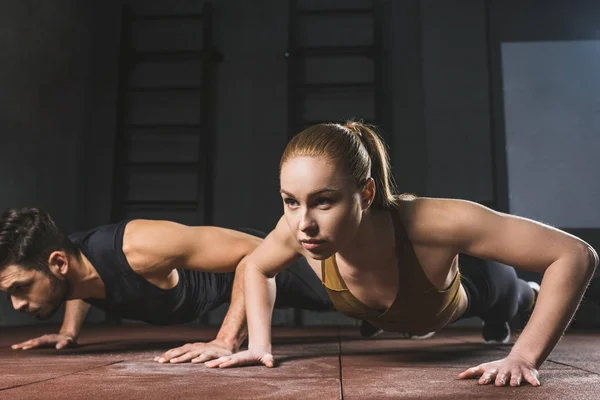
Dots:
pixel 160 205
pixel 333 51
pixel 338 11
pixel 154 89
pixel 174 55
pixel 164 166
pixel 332 87
pixel 162 17
pixel 163 126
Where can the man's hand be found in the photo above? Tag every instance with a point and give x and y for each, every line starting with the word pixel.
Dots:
pixel 58 340
pixel 242 358
pixel 510 370
pixel 197 352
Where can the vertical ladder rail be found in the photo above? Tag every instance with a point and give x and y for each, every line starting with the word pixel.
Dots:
pixel 125 164
pixel 299 89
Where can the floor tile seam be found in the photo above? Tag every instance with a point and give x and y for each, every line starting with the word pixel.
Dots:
pixel 59 376
pixel 294 377
pixel 573 366
pixel 341 380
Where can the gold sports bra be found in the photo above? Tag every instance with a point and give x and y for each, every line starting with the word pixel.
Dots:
pixel 419 306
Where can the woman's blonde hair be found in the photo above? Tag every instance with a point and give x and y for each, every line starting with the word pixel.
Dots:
pixel 358 147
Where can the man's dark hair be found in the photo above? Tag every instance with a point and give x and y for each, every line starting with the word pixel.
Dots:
pixel 27 238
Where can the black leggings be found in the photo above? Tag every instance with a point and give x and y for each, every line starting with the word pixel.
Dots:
pixel 495 292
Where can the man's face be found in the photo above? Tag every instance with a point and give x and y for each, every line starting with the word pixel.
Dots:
pixel 35 292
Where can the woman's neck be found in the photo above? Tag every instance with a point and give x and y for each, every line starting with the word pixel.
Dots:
pixel 372 240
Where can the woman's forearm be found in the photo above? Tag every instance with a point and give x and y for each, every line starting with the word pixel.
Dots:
pixel 260 292
pixel 561 291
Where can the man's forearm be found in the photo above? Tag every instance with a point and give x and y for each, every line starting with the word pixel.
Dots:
pixel 75 312
pixel 233 329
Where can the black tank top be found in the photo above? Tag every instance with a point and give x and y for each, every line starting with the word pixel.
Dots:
pixel 129 295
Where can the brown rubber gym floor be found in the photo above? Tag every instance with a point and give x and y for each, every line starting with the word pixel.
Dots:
pixel 115 362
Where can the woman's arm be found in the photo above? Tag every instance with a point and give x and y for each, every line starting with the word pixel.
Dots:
pixel 567 262
pixel 275 253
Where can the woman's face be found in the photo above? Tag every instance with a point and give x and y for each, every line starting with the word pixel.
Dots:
pixel 322 204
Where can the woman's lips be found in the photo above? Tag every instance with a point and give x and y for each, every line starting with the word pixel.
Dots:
pixel 312 244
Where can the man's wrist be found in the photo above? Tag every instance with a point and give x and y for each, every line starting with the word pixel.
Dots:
pixel 68 332
pixel 229 342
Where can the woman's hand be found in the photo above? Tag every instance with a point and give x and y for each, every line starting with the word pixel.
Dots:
pixel 196 352
pixel 510 370
pixel 248 357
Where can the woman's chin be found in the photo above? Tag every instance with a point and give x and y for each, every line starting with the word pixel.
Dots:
pixel 318 255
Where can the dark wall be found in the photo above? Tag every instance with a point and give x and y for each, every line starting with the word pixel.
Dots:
pixel 47 78
pixel 456 91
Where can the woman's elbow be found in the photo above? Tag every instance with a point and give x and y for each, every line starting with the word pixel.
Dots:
pixel 586 257
pixel 592 256
pixel 253 269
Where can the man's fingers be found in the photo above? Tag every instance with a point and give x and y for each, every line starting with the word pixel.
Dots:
pixel 65 343
pixel 20 345
pixel 185 357
pixel 206 356
pixel 32 343
pixel 45 340
pixel 173 353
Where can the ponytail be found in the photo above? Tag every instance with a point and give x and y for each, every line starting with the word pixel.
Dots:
pixel 381 171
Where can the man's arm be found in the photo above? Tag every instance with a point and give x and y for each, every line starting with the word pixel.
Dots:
pixel 231 335
pixel 75 312
pixel 153 248
pixel 234 330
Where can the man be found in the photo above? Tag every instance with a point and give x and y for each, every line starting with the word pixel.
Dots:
pixel 158 272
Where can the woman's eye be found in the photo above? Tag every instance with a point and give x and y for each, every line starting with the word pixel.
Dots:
pixel 291 202
pixel 322 201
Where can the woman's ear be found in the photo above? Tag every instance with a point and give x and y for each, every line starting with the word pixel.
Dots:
pixel 368 193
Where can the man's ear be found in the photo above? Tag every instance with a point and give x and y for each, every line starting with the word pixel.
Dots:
pixel 58 262
pixel 368 193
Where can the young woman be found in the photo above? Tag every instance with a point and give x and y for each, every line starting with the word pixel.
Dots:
pixel 393 260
